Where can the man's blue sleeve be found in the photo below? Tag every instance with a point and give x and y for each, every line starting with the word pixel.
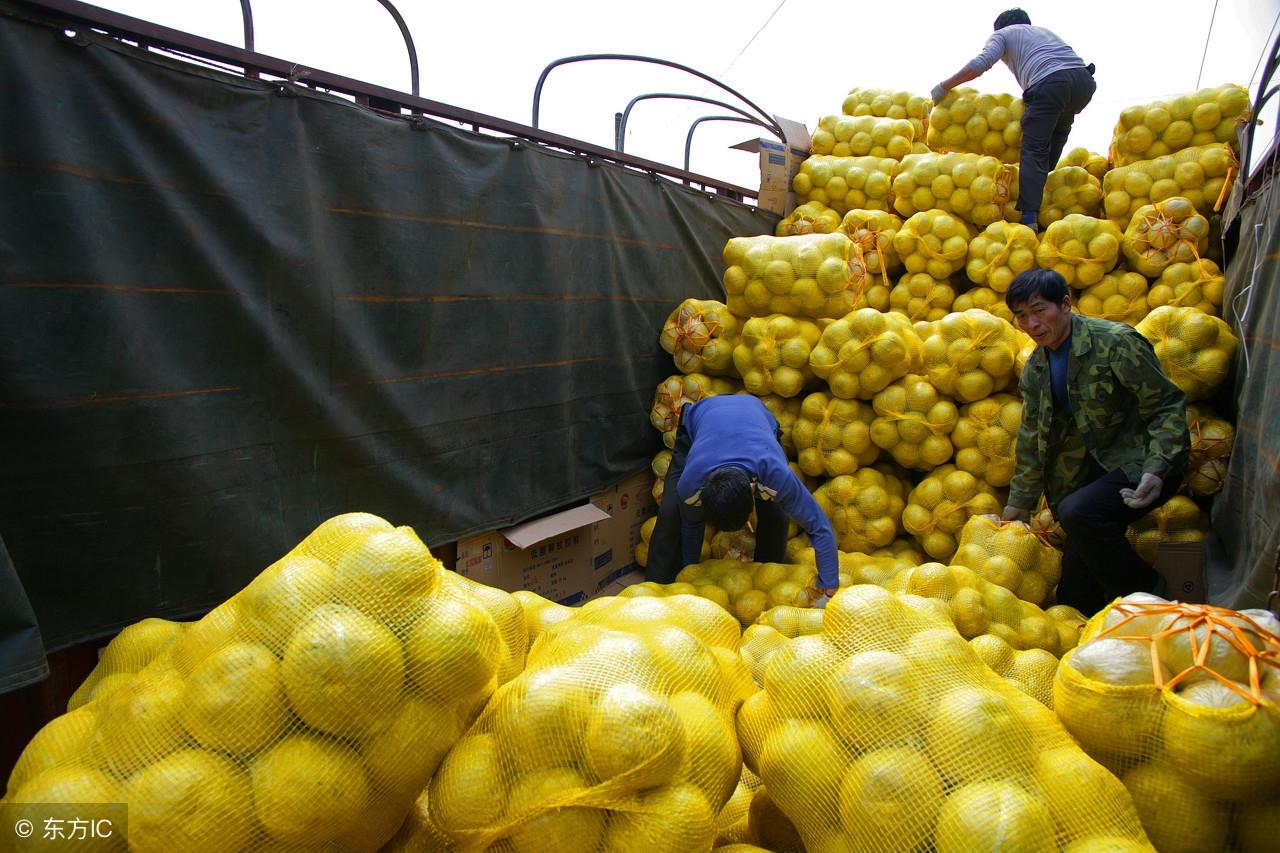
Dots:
pixel 798 503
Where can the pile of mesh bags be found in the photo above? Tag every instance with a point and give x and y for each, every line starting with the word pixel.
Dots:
pixel 979 123
pixel 1198 174
pixel 1152 130
pixel 862 136
pixel 890 104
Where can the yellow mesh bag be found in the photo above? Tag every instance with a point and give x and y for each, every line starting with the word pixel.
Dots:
pixel 619 735
pixel 1179 700
pixel 979 123
pixel 1122 297
pixel 791 621
pixel 129 651
pixel 772 355
pixel 1094 164
pixel 914 423
pixel 734 544
pixel 846 183
pixel 1166 127
pixel 884 102
pixel 307 711
pixel 1211 441
pixel 1164 233
pixel 541 613
pixel 1178 520
pixel 742 825
pixel 785 410
pixel 806 276
pixel 812 218
pixel 833 436
pixel 856 567
pixel 862 136
pixel 941 503
pixel 1044 525
pixel 887 732
pixel 1194 348
pixel 747 589
pixel 1082 249
pixel 1000 252
pixel 1030 670
pixel 933 242
pixel 984 298
pixel 872 233
pixel 865 508
pixel 1067 190
pixel 920 296
pixel 1196 284
pixel 1202 174
pixel 971 355
pixel 699 335
pixel 659 465
pixel 986 436
pixel 1010 554
pixel 673 392
pixel 975 188
pixel 861 353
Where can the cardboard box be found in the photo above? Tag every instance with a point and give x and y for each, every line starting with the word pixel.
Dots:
pixel 604 551
pixel 552 556
pixel 633 505
pixel 1182 564
pixel 779 164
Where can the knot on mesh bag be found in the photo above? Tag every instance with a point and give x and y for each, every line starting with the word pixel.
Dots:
pixel 1164 233
pixel 699 335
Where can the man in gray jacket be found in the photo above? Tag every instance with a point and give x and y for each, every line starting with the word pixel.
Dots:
pixel 1056 87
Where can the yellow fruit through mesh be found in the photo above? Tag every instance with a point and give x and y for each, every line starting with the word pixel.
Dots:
pixel 846 183
pixel 1195 284
pixel 872 233
pixel 971 355
pixel 975 188
pixel 1067 190
pixel 941 503
pixel 1211 441
pixel 699 335
pixel 1199 174
pixel 833 436
pixel 1177 520
pixel 812 218
pixel 804 276
pixel 1195 349
pixel 920 296
pixel 887 732
pixel 1121 297
pixel 862 136
pixel 986 437
pixel 986 299
pixel 1080 248
pixel 979 123
pixel 884 102
pixel 999 253
pixel 861 353
pixel 1094 164
pixel 1164 233
pixel 865 508
pixel 674 392
pixel 1012 555
pixel 772 354
pixel 1152 130
pixel 131 650
pixel 914 423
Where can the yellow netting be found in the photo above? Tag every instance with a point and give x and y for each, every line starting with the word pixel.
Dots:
pixel 833 436
pixel 975 188
pixel 805 276
pixel 1094 164
pixel 736 832
pixel 674 391
pixel 1164 233
pixel 1082 249
pixel 865 508
pixel 846 183
pixel 132 649
pixel 1067 190
pixel 980 123
pixel 1030 670
pixel 306 712
pixel 785 410
pixel 884 102
pixel 1211 441
pixel 971 355
pixel 941 503
pixel 920 296
pixel 1046 526
pixel 862 136
pixel 861 353
pixel 812 218
pixel 999 253
pixel 872 233
pixel 1121 297
pixel 1195 284
pixel 1178 520
pixel 1179 700
pixel 887 732
pixel 661 462
pixel 914 423
pixel 1010 554
pixel 699 334
pixel 986 437
pixel 772 355
pixel 984 298
pixel 1199 174
pixel 744 589
pixel 1166 127
pixel 1194 348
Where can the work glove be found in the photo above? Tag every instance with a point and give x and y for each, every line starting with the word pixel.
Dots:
pixel 1146 493
pixel 939 92
pixel 1016 513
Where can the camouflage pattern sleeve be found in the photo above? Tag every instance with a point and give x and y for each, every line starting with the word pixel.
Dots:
pixel 1028 475
pixel 1161 404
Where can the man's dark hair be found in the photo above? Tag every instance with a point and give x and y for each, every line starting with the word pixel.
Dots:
pixel 1029 284
pixel 1009 17
pixel 728 498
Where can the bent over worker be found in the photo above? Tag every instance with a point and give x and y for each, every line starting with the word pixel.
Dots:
pixel 727 460
pixel 1103 437
pixel 1056 87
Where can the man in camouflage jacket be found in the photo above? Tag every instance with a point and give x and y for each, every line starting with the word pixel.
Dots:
pixel 1103 437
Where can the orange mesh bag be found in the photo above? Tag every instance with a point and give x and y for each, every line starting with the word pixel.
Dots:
pixel 887 732
pixel 934 242
pixel 1080 248
pixel 1044 525
pixel 1094 164
pixel 1164 233
pixel 977 122
pixel 914 423
pixel 812 218
pixel 1194 348
pixel 772 355
pixel 833 436
pixel 986 437
pixel 1211 441
pixel 884 102
pixel 1121 297
pixel 971 355
pixel 865 508
pixel 1178 520
pixel 920 296
pixel 1000 252
pixel 618 736
pixel 1180 701
pixel 1067 190
pixel 846 183
pixel 1009 553
pixel 1030 670
pixel 941 503
pixel 861 353
pixel 1208 116
pixel 699 335
pixel 863 136
pixel 984 298
pixel 674 391
pixel 132 649
pixel 1195 284
pixel 805 276
pixel 306 712
pixel 1202 174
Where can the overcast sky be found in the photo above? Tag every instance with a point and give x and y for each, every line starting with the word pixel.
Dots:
pixel 796 58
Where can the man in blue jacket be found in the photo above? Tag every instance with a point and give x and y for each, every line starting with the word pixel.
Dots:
pixel 728 459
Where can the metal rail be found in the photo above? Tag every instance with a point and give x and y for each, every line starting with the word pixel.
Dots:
pixel 688 139
pixel 621 129
pixel 408 43
pixel 73 14
pixel 246 15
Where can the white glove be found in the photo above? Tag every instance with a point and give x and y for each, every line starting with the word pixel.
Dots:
pixel 939 92
pixel 1148 490
pixel 821 601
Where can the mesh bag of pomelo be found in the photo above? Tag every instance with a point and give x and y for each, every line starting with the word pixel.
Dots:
pixel 1193 284
pixel 1000 252
pixel 872 234
pixel 1094 164
pixel 862 136
pixel 646 533
pixel 1211 441
pixel 672 394
pixel 772 354
pixel 1082 249
pixel 812 218
pixel 804 276
pixel 886 732
pixel 846 183
pixel 131 650
pixel 1030 670
pixel 619 735
pixel 305 712
pixel 971 355
pixel 1010 554
pixel 747 589
pixel 737 545
pixel 1044 525
pixel 985 438
pixel 1067 190
pixel 890 104
pixel 659 465
pixel 914 423
pixel 1182 702
pixel 940 504
pixel 979 123
pixel 1202 174
pixel 785 411
pixel 752 823
pixel 856 567
pixel 699 335
pixel 1121 297
pixel 861 353
pixel 973 187
pixel 833 436
pixel 1194 348
pixel 984 298
pixel 1165 127
pixel 865 508
pixel 1177 520
pixel 1163 233
pixel 920 296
